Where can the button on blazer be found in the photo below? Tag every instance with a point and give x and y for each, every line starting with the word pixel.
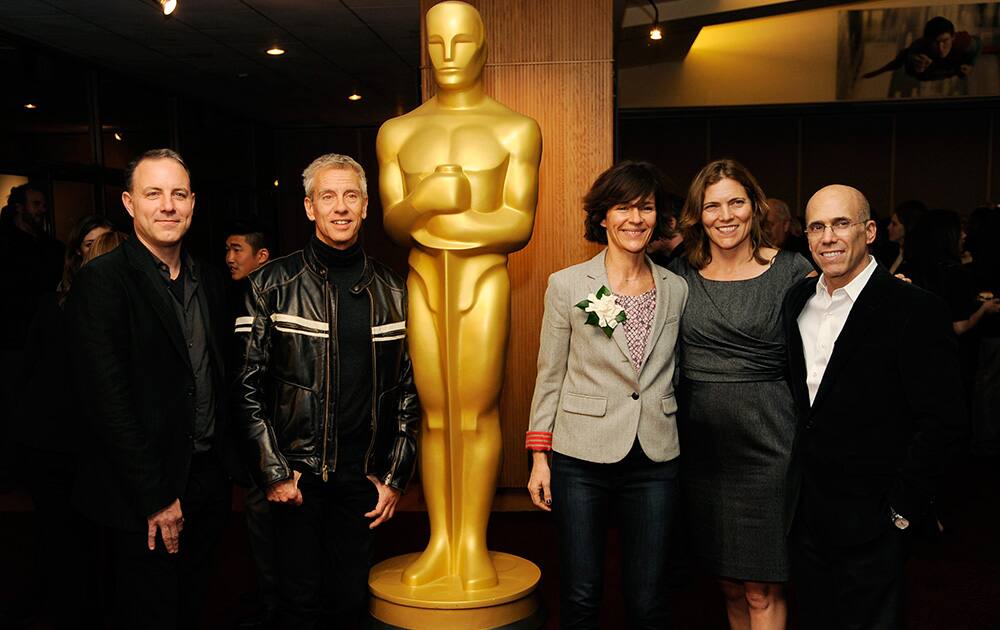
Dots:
pixel 589 402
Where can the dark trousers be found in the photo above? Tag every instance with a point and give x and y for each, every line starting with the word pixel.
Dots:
pixel 324 551
pixel 157 590
pixel 67 576
pixel 260 531
pixel 643 494
pixel 859 587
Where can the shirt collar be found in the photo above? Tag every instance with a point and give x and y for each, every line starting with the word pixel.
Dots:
pixel 854 287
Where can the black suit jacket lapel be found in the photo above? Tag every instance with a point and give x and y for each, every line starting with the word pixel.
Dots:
pixel 797 298
pixel 155 292
pixel 861 318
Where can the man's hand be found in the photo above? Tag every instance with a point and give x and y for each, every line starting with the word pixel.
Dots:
pixel 386 506
pixel 169 521
pixel 286 490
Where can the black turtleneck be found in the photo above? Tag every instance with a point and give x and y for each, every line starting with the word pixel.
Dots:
pixel 351 369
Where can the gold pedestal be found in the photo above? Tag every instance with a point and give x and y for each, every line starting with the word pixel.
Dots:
pixel 443 604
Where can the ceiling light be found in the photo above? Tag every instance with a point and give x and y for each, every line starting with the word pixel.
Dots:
pixel 354 96
pixel 274 51
pixel 275 183
pixel 30 106
pixel 655 31
pixel 168 6
pixel 118 136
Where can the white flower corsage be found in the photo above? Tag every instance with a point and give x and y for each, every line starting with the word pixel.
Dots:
pixel 605 313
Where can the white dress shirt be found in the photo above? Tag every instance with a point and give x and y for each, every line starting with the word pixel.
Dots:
pixel 821 321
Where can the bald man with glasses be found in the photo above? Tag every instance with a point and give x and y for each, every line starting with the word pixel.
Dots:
pixel 874 372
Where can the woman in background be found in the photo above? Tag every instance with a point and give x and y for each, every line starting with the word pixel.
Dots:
pixel 84 233
pixel 44 428
pixel 737 416
pixel 902 222
pixel 603 408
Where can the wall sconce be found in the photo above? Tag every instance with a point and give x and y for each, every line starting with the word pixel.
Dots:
pixel 655 31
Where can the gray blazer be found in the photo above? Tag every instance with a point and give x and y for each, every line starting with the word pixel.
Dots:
pixel 589 403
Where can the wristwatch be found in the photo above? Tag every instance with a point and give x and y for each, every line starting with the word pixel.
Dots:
pixel 898 519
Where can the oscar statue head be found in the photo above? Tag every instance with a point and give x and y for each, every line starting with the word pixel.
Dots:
pixel 456 44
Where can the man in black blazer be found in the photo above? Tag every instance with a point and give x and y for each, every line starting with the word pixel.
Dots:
pixel 874 372
pixel 148 322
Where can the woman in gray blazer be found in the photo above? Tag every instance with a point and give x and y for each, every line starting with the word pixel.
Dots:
pixel 602 426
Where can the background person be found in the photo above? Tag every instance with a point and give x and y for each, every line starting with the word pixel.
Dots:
pixel 603 407
pixel 901 223
pixel 737 418
pixel 81 239
pixel 44 428
pixel 246 251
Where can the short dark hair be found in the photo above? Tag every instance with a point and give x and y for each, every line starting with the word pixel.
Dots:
pixel 254 234
pixel 626 182
pixel 153 154
pixel 938 26
pixel 19 194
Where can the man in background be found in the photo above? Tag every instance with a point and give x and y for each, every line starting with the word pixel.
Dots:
pixel 246 250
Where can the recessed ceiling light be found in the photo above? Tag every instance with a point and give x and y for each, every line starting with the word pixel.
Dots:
pixel 30 106
pixel 168 6
pixel 118 136
pixel 274 51
pixel 354 96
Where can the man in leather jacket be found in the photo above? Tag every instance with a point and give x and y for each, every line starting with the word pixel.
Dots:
pixel 326 400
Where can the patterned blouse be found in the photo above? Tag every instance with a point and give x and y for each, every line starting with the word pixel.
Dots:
pixel 639 312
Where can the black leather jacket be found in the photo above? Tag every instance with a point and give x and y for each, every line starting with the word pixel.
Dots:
pixel 284 398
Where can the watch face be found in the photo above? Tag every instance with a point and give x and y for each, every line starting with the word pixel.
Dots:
pixel 901 523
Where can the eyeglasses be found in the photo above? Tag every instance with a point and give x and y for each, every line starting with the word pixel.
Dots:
pixel 840 228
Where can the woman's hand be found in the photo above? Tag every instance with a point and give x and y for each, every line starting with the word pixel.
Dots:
pixel 538 483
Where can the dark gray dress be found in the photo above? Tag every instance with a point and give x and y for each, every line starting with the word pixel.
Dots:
pixel 736 419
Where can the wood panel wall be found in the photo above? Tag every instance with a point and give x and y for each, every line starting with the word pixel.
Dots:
pixel 551 60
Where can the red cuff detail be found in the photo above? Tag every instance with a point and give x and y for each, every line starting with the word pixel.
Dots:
pixel 538 441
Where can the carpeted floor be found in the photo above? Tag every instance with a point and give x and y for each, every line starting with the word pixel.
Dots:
pixel 952 584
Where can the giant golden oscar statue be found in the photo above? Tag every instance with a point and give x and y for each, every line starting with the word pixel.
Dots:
pixel 458 177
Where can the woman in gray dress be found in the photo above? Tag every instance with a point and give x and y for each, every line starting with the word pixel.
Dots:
pixel 737 418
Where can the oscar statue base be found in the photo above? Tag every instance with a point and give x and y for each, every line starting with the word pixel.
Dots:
pixel 443 604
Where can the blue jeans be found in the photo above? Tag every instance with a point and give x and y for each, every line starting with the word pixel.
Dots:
pixel 643 494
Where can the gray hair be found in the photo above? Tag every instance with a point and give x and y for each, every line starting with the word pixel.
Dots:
pixel 332 160
pixel 153 154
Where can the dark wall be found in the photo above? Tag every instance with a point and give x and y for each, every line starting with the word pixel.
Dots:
pixel 944 153
pixel 89 122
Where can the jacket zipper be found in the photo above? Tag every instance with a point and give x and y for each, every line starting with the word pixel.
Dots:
pixel 371 318
pixel 326 384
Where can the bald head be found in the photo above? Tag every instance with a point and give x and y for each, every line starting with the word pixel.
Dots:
pixel 847 198
pixel 839 227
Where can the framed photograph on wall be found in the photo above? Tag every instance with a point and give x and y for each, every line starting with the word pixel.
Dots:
pixel 919 52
